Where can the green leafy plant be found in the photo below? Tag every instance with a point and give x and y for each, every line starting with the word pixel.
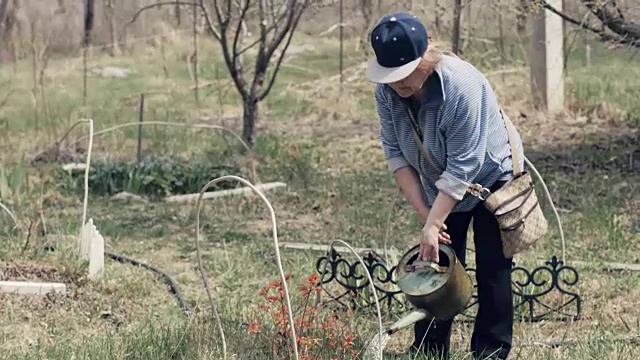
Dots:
pixel 153 177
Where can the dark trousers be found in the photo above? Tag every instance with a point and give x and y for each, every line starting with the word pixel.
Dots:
pixel 492 332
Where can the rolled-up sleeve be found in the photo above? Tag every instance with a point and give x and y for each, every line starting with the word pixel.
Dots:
pixel 466 134
pixel 392 153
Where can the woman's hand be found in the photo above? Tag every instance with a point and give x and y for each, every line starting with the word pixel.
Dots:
pixel 431 236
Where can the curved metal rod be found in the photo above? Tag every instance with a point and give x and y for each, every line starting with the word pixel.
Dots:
pixel 553 207
pixel 69 132
pixel 371 285
pixel 252 167
pixel 11 215
pixel 278 260
pixel 85 200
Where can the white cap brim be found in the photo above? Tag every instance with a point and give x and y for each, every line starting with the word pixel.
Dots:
pixel 384 75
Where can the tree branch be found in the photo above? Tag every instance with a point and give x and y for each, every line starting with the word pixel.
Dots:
pixel 159 4
pixel 235 69
pixel 273 26
pixel 625 32
pixel 282 54
pixel 611 16
pixel 207 20
pixel 243 13
pixel 279 36
pixel 262 60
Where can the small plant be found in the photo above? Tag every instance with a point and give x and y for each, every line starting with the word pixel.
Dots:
pixel 320 335
pixel 14 182
pixel 153 177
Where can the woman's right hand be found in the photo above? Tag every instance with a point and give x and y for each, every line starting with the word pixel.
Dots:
pixel 431 238
pixel 443 236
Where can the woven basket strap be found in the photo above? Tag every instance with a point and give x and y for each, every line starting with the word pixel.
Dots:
pixel 515 157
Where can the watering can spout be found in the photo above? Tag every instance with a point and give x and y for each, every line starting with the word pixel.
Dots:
pixel 410 319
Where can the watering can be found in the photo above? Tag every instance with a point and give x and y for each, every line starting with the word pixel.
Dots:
pixel 439 290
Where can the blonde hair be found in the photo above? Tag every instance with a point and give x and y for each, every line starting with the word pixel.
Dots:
pixel 432 57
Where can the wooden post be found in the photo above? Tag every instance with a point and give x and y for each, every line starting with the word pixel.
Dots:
pixel 140 120
pixel 341 45
pixel 546 59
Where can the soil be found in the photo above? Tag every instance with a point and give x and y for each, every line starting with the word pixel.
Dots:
pixel 35 272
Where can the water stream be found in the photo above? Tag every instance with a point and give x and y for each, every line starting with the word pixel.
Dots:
pixel 376 346
pixel 379 341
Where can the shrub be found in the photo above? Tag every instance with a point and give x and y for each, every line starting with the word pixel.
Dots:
pixel 153 177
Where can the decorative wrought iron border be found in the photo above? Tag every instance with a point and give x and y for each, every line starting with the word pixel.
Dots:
pixel 540 294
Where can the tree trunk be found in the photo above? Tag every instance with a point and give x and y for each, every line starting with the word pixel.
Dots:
pixel 178 14
pixel 111 18
pixel 3 11
pixel 366 9
pixel 437 19
pixel 455 34
pixel 4 28
pixel 249 117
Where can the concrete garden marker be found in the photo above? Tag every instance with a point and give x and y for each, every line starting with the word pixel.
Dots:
pixel 32 288
pixel 74 166
pixel 91 247
pixel 220 193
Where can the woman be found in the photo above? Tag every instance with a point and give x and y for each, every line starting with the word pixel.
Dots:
pixel 427 97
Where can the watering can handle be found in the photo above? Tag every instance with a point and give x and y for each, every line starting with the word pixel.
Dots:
pixel 419 265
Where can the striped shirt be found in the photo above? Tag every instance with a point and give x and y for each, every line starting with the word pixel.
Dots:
pixel 462 128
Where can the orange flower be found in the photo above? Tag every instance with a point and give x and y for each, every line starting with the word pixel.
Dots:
pixel 254 327
pixel 348 341
pixel 313 279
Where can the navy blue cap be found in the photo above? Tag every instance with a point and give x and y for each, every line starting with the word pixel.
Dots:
pixel 399 40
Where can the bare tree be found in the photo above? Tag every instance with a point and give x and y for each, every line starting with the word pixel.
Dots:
pixel 277 24
pixel 226 23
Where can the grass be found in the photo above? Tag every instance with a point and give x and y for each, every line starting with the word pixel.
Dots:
pixel 324 145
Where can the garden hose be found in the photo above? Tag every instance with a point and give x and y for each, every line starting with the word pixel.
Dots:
pixel 173 285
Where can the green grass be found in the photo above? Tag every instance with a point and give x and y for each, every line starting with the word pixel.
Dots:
pixel 324 146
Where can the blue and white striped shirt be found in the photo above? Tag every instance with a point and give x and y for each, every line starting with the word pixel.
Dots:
pixel 464 133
